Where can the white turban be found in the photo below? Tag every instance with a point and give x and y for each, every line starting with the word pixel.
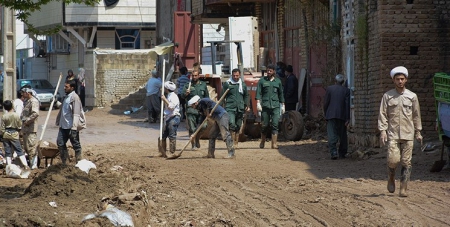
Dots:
pixel 339 78
pixel 399 70
pixel 193 100
pixel 169 85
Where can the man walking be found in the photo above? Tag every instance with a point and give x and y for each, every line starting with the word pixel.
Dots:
pixel 70 120
pixel 196 87
pixel 29 117
pixel 337 114
pixel 269 100
pixel 399 123
pixel 153 98
pixel 236 103
pixel 290 89
pixel 221 123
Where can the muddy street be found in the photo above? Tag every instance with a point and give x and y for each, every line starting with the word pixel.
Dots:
pixel 295 185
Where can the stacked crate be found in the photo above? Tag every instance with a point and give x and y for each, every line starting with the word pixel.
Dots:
pixel 442 95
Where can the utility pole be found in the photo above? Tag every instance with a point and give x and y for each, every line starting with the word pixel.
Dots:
pixel 9 53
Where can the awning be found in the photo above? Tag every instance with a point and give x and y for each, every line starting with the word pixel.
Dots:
pixel 161 49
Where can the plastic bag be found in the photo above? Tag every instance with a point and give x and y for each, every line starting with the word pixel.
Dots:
pixel 14 171
pixel 85 165
pixel 114 215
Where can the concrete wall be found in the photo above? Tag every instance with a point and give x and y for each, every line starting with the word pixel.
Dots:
pixel 119 75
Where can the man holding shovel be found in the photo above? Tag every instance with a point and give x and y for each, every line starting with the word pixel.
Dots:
pixel 70 120
pixel 221 123
pixel 399 123
pixel 194 88
pixel 236 103
pixel 171 118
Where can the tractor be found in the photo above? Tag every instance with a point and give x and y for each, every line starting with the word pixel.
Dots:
pixel 291 122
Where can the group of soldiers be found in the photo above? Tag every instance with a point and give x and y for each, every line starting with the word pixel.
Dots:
pixel 227 116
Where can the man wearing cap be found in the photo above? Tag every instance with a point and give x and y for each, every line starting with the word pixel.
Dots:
pixel 269 100
pixel 171 118
pixel 236 103
pixel 196 87
pixel 290 89
pixel 399 123
pixel 153 97
pixel 221 123
pixel 337 113
pixel 29 117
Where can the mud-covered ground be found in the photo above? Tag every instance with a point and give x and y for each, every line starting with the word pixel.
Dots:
pixel 296 185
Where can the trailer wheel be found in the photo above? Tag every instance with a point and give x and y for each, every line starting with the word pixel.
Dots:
pixel 292 125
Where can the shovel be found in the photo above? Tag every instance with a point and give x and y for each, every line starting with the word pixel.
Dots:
pixel 175 156
pixel 438 165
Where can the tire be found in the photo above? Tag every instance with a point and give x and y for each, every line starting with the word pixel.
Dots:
pixel 292 125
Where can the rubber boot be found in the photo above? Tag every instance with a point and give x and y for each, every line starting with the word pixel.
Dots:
pixel 78 156
pixel 8 161
pixel 263 140
pixel 193 143
pixel 233 136
pixel 211 148
pixel 23 160
pixel 172 145
pixel 274 141
pixel 162 147
pixel 391 180
pixel 33 162
pixel 406 173
pixel 230 147
pixel 63 155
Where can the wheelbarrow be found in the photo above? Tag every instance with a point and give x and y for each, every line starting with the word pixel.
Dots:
pixel 48 150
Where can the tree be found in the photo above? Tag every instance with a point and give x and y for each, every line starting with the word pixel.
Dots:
pixel 24 8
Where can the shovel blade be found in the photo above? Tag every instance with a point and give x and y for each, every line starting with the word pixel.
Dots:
pixel 437 166
pixel 174 156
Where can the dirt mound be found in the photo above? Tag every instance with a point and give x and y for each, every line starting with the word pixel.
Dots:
pixel 69 181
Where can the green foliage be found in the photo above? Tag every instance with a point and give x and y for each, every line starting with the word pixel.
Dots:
pixel 24 8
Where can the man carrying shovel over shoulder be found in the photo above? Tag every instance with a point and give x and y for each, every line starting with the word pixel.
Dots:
pixel 221 123
pixel 399 123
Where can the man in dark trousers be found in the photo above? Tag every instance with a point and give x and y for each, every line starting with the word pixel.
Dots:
pixel 290 89
pixel 337 114
pixel 221 123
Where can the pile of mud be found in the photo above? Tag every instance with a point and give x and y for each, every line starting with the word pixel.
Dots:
pixel 70 182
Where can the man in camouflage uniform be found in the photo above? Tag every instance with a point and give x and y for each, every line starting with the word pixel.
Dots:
pixel 236 103
pixel 399 123
pixel 269 100
pixel 29 117
pixel 196 87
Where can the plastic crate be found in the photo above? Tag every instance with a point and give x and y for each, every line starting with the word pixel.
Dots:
pixel 441 83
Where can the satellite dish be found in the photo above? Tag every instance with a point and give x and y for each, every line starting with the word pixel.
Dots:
pixel 110 2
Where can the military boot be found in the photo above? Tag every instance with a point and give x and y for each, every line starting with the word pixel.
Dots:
pixel 211 148
pixel 406 173
pixel 162 147
pixel 197 140
pixel 274 141
pixel 78 156
pixel 263 140
pixel 233 136
pixel 172 145
pixel 236 140
pixel 391 180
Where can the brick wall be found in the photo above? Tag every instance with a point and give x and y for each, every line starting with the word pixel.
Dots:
pixel 395 30
pixel 119 76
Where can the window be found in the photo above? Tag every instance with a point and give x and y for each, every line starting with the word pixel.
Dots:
pixel 128 39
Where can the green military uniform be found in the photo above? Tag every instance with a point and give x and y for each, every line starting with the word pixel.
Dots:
pixel 270 94
pixel 235 103
pixel 193 116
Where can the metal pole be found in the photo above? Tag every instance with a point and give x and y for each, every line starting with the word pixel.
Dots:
pixel 9 54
